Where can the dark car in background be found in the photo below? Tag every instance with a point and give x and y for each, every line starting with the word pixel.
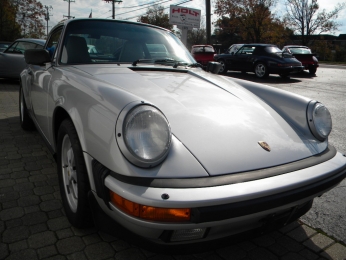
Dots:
pixel 262 59
pixel 12 60
pixel 203 53
pixel 304 55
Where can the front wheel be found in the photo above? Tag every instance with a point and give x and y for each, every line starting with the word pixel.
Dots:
pixel 261 70
pixel 223 69
pixel 25 120
pixel 73 177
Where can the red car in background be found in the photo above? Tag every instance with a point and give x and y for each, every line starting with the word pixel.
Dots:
pixel 203 53
pixel 304 55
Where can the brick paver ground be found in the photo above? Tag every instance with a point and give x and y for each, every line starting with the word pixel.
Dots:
pixel 33 224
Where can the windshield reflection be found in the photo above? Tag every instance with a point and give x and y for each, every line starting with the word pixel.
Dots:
pixel 119 42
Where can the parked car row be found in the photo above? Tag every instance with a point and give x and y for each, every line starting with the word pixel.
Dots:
pixel 304 55
pixel 144 137
pixel 4 45
pixel 203 54
pixel 12 61
pixel 265 59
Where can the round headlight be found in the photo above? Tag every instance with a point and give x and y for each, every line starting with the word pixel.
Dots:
pixel 320 120
pixel 146 136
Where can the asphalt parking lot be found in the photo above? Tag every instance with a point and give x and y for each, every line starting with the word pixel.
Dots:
pixel 33 224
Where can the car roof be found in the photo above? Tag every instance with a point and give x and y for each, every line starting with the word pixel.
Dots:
pixel 67 21
pixel 260 44
pixel 201 45
pixel 296 46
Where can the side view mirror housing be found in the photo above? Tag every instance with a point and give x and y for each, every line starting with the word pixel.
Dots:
pixel 37 56
pixel 213 67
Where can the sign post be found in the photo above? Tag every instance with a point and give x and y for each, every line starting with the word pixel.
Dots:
pixel 185 19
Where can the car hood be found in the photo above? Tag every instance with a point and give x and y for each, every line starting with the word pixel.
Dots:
pixel 219 122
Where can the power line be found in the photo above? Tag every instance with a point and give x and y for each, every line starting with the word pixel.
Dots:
pixel 141 5
pixel 145 7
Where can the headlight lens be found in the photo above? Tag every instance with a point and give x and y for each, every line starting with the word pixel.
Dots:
pixel 147 135
pixel 320 120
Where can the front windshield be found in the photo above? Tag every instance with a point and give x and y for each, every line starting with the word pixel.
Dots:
pixel 300 51
pixel 109 41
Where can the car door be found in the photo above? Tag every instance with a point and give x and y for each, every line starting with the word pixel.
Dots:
pixel 39 88
pixel 242 58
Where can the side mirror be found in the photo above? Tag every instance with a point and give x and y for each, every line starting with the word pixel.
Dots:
pixel 213 67
pixel 37 56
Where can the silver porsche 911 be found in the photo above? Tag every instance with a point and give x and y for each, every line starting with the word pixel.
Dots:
pixel 146 138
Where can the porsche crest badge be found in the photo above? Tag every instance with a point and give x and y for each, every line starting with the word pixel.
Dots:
pixel 264 145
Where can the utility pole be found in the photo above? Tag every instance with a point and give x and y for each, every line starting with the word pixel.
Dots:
pixel 69 2
pixel 113 7
pixel 208 14
pixel 48 15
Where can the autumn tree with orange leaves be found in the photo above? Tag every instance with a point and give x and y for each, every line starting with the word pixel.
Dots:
pixel 9 28
pixel 30 16
pixel 251 20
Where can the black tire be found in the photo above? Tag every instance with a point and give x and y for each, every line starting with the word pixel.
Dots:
pixel 73 176
pixel 261 70
pixel 25 120
pixel 223 69
pixel 312 71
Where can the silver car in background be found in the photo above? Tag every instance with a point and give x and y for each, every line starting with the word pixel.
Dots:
pixel 173 153
pixel 12 60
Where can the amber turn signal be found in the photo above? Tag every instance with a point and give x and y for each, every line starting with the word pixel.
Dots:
pixel 148 212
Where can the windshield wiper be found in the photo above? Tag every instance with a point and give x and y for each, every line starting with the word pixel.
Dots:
pixel 161 61
pixel 167 60
pixel 142 60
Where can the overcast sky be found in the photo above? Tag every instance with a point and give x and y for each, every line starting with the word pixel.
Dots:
pixel 132 9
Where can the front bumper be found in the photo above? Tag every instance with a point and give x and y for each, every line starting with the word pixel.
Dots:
pixel 222 210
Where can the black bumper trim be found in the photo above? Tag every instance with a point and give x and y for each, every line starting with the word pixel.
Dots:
pixel 238 209
pixel 212 181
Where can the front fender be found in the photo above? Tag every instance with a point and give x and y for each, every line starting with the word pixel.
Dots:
pixel 292 107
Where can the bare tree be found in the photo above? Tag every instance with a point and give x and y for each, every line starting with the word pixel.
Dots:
pixel 303 17
pixel 196 36
pixel 156 15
